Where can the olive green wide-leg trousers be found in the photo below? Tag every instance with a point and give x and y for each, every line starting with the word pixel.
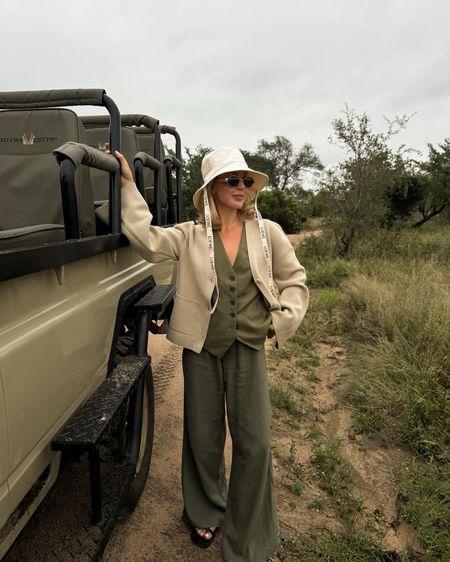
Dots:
pixel 236 383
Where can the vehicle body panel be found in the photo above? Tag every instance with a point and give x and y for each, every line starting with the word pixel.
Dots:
pixel 55 340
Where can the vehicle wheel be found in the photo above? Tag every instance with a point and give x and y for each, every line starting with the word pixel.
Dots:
pixel 145 446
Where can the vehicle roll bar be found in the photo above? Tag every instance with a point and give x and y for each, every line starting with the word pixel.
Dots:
pixel 127 120
pixel 70 156
pixel 177 164
pixel 37 99
pixel 82 154
pixel 143 160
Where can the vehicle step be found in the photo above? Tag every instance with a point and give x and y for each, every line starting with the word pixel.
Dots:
pixel 85 428
pixel 157 299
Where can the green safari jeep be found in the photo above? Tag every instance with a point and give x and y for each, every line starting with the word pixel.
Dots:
pixel 76 302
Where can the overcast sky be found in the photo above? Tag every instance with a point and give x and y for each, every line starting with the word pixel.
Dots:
pixel 233 72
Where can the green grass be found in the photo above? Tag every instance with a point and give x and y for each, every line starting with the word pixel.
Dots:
pixel 321 545
pixel 401 321
pixel 407 244
pixel 328 299
pixel 298 487
pixel 335 477
pixel 283 400
pixel 389 306
pixel 329 274
pixel 425 488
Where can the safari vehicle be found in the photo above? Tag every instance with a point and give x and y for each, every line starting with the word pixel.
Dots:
pixel 76 303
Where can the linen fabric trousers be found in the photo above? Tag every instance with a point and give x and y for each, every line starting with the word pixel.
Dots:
pixel 237 384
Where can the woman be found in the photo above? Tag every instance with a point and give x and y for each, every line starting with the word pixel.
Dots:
pixel 238 281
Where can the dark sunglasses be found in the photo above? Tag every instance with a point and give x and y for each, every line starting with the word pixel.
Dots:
pixel 233 181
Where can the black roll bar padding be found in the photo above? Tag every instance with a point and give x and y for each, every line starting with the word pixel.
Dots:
pixel 127 120
pixel 69 199
pixel 178 169
pixel 167 129
pixel 70 156
pixel 170 195
pixel 148 161
pixel 36 99
pixel 157 219
pixel 82 154
pixel 175 162
pixel 115 132
pixel 139 176
pixel 158 181
pixel 157 155
pixel 138 120
pixel 140 160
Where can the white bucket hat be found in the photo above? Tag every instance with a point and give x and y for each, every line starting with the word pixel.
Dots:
pixel 223 160
pixel 217 162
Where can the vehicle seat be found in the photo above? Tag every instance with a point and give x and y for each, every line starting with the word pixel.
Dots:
pixel 146 142
pixel 98 137
pixel 30 193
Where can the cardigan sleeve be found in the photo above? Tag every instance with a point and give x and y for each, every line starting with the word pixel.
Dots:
pixel 153 243
pixel 290 278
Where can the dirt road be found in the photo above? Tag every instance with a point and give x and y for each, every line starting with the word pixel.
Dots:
pixel 155 531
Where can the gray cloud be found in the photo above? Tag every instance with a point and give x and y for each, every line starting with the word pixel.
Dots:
pixel 234 72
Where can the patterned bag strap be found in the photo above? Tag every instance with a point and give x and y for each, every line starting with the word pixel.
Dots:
pixel 210 238
pixel 266 251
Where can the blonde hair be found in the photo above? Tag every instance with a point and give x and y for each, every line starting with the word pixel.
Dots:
pixel 246 213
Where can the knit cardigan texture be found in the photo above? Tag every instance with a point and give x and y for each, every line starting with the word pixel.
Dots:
pixel 187 244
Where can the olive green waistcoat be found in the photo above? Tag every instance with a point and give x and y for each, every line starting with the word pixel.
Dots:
pixel 241 312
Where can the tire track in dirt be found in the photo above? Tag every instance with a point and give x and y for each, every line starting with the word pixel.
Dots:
pixel 166 360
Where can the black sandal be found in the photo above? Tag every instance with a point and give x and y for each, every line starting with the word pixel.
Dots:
pixel 200 541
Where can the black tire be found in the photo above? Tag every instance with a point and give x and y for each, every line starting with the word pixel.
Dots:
pixel 136 487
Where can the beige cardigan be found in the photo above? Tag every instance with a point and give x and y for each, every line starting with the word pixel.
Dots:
pixel 186 243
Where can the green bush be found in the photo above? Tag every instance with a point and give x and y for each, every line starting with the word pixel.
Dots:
pixel 282 208
pixel 329 274
pixel 316 249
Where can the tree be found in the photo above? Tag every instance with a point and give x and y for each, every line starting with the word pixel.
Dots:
pixel 404 195
pixel 318 203
pixel 436 196
pixel 280 162
pixel 357 187
pixel 192 178
pixel 283 208
pixel 286 165
pixel 259 162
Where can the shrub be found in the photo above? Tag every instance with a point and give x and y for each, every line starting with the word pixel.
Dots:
pixel 329 274
pixel 405 244
pixel 282 208
pixel 401 389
